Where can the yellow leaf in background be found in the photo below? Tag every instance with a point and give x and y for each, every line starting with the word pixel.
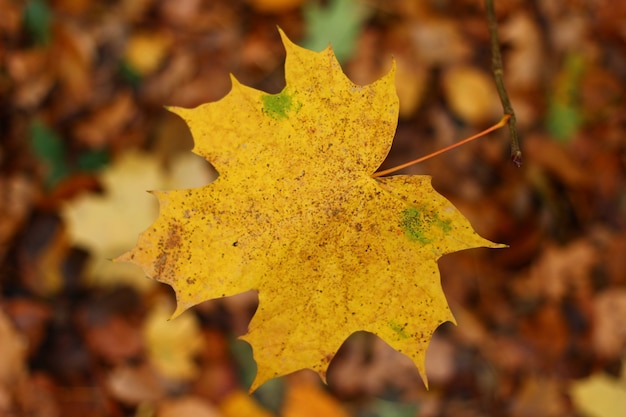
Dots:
pixel 412 81
pixel 109 223
pixel 470 94
pixel 105 224
pixel 146 51
pixel 296 215
pixel 601 395
pixel 172 345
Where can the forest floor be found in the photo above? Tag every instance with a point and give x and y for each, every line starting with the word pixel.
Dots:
pixel 541 325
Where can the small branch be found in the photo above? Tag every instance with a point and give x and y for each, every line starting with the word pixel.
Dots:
pixel 496 66
pixel 502 122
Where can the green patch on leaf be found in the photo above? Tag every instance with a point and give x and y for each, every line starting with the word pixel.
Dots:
pixel 399 329
pixel 445 225
pixel 412 225
pixel 278 105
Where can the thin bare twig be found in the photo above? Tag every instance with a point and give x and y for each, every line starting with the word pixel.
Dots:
pixel 496 66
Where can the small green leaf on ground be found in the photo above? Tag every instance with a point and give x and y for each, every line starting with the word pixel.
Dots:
pixel 338 23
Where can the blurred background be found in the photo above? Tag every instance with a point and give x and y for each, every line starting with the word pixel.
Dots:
pixel 84 132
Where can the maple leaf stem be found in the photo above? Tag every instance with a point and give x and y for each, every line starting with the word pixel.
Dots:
pixel 498 75
pixel 505 119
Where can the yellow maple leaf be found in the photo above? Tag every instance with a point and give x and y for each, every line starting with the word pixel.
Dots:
pixel 296 215
pixel 94 220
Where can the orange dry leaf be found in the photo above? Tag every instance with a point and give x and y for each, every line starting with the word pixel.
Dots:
pixel 13 371
pixel 186 406
pixel 238 403
pixel 308 400
pixel 275 6
pixel 296 215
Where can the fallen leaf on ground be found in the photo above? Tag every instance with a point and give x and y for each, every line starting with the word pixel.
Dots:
pixel 524 63
pixel 559 271
pixel 600 395
pixel 239 403
pixel 107 122
pixel 275 6
pixel 173 345
pixel 556 160
pixel 296 215
pixel 187 406
pixel 411 82
pixel 470 94
pixel 13 351
pixel 539 397
pixel 12 365
pixel 94 221
pixel 115 340
pixel 17 195
pixel 145 52
pixel 135 385
pixel 609 332
pixel 310 400
pixel 338 23
pixel 438 41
